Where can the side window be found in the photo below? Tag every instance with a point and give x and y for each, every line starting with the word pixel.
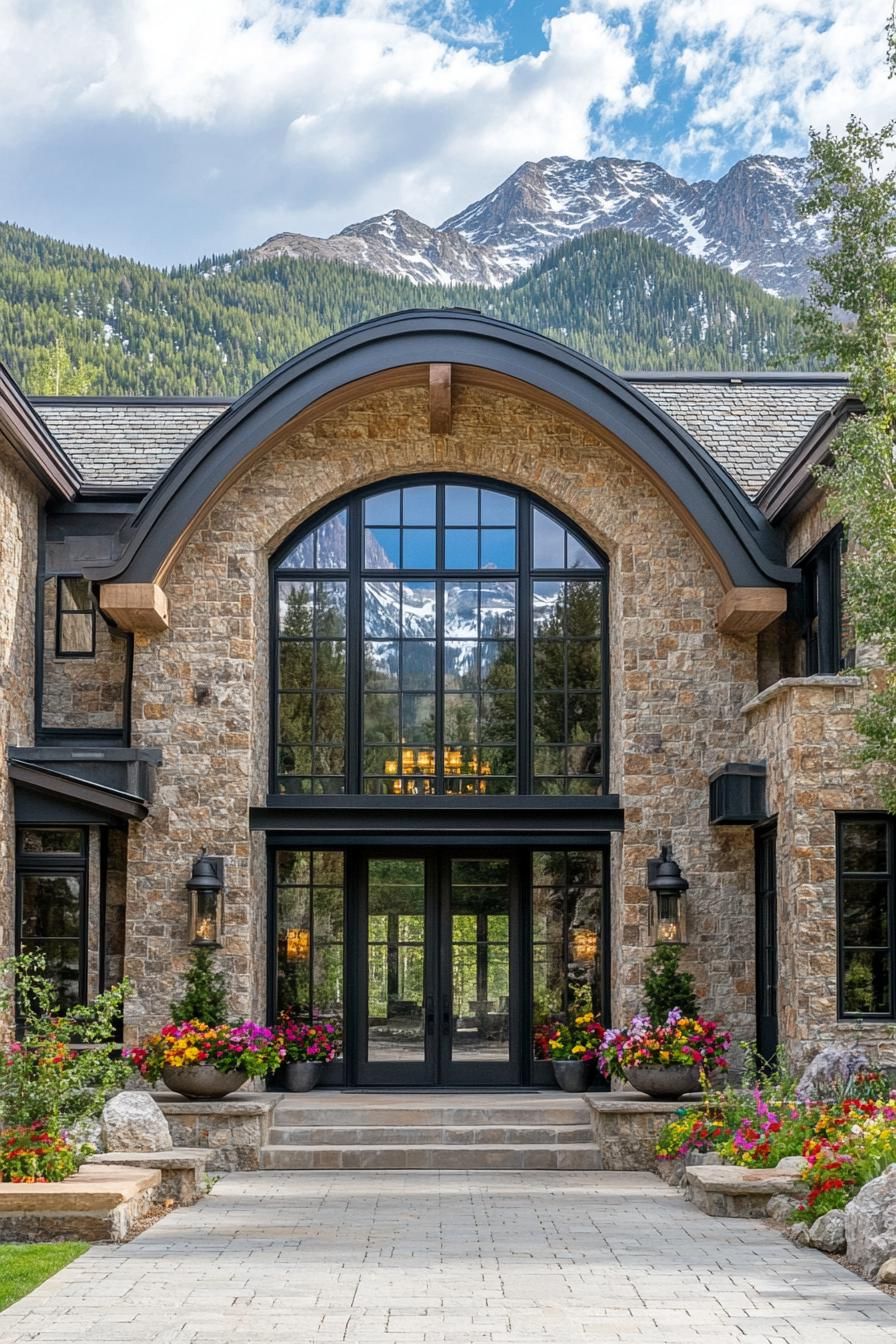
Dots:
pixel 51 890
pixel 867 947
pixel 825 635
pixel 75 618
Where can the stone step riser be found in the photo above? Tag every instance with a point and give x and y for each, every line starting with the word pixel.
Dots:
pixel 376 1135
pixel 295 1113
pixel 509 1157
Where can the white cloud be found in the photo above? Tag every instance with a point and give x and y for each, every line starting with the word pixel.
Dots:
pixel 166 126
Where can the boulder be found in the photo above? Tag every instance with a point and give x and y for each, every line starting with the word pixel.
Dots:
pixel 792 1166
pixel 798 1233
pixel 133 1123
pixel 828 1233
pixel 703 1160
pixel 871 1224
pixel 88 1132
pixel 887 1271
pixel 829 1074
pixel 780 1207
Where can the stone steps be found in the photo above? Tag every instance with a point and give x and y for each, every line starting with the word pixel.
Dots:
pixel 377 1136
pixel 433 1131
pixel 432 1157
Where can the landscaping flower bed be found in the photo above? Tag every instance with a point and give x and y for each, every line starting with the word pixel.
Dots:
pixel 299 1042
pixel 846 1141
pixel 578 1039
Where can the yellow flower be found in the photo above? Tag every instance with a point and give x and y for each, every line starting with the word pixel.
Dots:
pixel 664 1056
pixel 578 1050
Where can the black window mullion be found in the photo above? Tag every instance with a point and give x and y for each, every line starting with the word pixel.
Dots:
pixel 354 645
pixel 523 627
pixel 439 744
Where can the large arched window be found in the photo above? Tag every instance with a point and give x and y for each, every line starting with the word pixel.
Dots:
pixel 439 636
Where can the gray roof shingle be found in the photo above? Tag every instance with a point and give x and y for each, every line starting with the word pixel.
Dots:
pixel 748 423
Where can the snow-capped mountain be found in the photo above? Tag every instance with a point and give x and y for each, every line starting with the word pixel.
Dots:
pixel 748 222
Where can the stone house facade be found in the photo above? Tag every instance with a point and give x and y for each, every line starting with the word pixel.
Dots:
pixel 432 641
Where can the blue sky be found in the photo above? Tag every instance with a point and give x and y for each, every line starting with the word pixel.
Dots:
pixel 169 129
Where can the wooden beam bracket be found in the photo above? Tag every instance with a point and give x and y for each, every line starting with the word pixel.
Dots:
pixel 440 398
pixel 135 606
pixel 746 611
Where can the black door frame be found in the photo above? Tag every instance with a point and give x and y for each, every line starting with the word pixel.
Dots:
pixel 531 1072
pixel 766 843
pixel 437 1069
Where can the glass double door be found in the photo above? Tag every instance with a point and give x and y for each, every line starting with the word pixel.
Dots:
pixel 439 965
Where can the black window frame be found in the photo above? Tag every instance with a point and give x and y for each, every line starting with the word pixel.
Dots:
pixel 889 821
pixel 56 864
pixel 821 600
pixel 523 575
pixel 59 651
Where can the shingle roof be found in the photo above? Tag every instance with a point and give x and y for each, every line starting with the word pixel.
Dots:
pixel 748 422
pixel 124 440
pixel 749 425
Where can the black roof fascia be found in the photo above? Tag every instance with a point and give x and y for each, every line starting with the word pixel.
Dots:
pixel 751 550
pixel 32 441
pixel 70 788
pixel 520 820
pixel 792 488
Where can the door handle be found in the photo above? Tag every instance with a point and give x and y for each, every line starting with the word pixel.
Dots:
pixel 430 1016
pixel 446 1013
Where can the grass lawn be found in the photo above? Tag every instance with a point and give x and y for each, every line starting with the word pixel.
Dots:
pixel 23 1267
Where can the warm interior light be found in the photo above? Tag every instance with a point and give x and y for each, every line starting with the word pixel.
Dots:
pixel 584 944
pixel 298 944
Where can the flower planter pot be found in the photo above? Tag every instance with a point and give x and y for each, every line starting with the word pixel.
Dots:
pixel 201 1082
pixel 301 1076
pixel 574 1075
pixel 665 1082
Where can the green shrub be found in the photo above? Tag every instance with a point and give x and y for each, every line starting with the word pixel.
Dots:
pixel 666 986
pixel 204 998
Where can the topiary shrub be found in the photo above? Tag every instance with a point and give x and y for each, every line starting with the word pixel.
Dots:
pixel 204 998
pixel 666 986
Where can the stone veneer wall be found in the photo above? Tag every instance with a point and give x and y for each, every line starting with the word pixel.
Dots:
pixel 19 504
pixel 804 730
pixel 201 688
pixel 82 692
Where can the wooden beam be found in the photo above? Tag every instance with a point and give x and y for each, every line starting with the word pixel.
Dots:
pixel 746 611
pixel 440 398
pixel 135 606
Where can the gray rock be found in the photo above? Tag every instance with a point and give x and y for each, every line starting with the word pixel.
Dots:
pixel 828 1233
pixel 829 1074
pixel 887 1271
pixel 133 1123
pixel 780 1207
pixel 798 1233
pixel 871 1224
pixel 792 1166
pixel 703 1160
pixel 89 1132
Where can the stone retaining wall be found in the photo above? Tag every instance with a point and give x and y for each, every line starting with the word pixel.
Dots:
pixel 234 1131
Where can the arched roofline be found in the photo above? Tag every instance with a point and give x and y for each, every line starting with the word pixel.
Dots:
pixel 398 350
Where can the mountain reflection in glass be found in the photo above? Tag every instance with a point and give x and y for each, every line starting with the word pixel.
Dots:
pixel 430 679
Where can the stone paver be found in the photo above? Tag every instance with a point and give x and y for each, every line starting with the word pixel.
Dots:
pixel 432 1257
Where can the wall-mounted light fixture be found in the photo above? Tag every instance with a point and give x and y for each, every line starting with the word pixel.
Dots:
pixel 667 887
pixel 206 889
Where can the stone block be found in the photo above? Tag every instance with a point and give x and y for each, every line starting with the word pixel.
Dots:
pixel 96 1204
pixel 828 1233
pixel 738 1192
pixel 871 1224
pixel 132 1122
pixel 181 1170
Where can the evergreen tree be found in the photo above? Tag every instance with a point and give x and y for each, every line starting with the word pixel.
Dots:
pixel 666 986
pixel 857 278
pixel 204 998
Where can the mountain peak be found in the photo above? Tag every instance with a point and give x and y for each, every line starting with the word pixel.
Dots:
pixel 748 222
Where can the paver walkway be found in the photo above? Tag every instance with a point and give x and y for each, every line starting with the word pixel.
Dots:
pixel 290 1257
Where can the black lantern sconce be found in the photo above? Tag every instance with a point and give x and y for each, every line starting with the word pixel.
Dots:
pixel 206 888
pixel 667 888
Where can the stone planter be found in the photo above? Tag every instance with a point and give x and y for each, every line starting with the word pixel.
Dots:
pixel 574 1075
pixel 200 1082
pixel 665 1082
pixel 301 1076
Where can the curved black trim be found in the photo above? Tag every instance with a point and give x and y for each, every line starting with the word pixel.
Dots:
pixel 739 533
